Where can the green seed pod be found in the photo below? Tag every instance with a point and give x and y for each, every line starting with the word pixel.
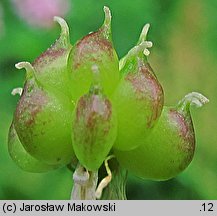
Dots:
pixel 51 66
pixel 170 147
pixel 22 158
pixel 94 49
pixel 138 98
pixel 94 128
pixel 43 121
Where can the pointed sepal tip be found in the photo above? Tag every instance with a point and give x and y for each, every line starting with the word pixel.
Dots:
pixel 108 16
pixel 106 27
pixel 144 33
pixel 64 35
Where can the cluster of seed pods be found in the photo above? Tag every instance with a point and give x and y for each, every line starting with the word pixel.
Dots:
pixel 80 104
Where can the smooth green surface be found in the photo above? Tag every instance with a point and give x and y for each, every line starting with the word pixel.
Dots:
pixel 166 152
pixel 94 129
pixel 43 123
pixel 183 57
pixel 93 59
pixel 22 158
pixel 51 66
pixel 138 100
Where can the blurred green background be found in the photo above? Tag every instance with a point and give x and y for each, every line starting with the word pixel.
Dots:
pixel 184 56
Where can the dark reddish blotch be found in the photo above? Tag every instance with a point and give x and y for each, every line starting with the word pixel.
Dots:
pixel 91 48
pixel 185 128
pixel 147 88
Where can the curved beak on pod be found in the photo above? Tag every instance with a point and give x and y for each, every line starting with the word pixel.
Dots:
pixel 51 66
pixel 138 98
pixel 170 147
pixel 42 121
pixel 94 49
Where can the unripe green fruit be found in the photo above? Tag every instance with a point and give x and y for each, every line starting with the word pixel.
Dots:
pixel 94 49
pixel 22 158
pixel 51 66
pixel 94 128
pixel 48 131
pixel 169 149
pixel 43 122
pixel 138 99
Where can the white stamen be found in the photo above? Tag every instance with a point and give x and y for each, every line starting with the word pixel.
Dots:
pixel 146 52
pixel 16 91
pixel 194 98
pixel 25 65
pixel 139 48
pixel 105 181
